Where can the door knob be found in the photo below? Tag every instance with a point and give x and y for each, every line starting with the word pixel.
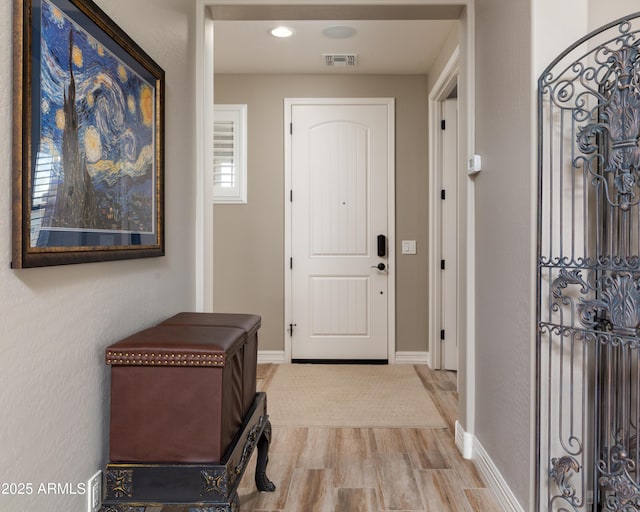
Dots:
pixel 379 266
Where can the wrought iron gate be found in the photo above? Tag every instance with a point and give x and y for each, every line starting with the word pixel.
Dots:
pixel 588 343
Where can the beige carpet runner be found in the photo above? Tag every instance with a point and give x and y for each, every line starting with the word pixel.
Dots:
pixel 366 396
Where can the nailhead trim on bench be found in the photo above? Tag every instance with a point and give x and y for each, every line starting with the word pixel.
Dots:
pixel 164 359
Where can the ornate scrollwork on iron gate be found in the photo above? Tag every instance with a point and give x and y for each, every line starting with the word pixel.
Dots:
pixel 588 344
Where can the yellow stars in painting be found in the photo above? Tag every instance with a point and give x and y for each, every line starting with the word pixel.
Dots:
pixel 92 145
pixel 60 119
pixel 76 56
pixel 146 105
pixel 57 15
pixel 122 73
pixel 131 104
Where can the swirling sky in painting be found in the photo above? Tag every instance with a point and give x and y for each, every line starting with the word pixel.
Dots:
pixel 113 138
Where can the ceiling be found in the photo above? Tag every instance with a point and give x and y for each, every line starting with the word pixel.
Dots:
pixel 393 46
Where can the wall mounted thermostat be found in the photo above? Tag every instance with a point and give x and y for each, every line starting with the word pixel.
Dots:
pixel 475 165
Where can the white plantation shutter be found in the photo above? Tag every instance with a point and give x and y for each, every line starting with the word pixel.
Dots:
pixel 224 150
pixel 230 154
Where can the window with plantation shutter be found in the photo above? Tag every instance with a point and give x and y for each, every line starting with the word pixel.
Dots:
pixel 230 154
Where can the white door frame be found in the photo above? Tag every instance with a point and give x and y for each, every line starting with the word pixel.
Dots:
pixel 203 264
pixel 391 213
pixel 443 86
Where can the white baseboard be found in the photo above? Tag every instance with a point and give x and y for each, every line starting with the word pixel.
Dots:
pixel 271 356
pixel 471 448
pixel 464 441
pixel 413 358
pixel 494 478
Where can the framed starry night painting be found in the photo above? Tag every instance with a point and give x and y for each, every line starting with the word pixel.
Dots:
pixel 88 138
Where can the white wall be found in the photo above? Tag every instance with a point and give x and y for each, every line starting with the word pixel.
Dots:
pixel 556 26
pixel 601 13
pixel 55 322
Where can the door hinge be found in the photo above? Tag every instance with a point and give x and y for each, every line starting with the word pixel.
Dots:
pixel 290 262
pixel 442 264
pixel 291 196
pixel 443 125
pixel 443 194
pixel 442 335
pixel 290 128
pixel 291 326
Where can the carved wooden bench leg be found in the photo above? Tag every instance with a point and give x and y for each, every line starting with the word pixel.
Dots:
pixel 262 481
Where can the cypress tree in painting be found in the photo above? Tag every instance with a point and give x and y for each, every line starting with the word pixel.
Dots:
pixel 76 197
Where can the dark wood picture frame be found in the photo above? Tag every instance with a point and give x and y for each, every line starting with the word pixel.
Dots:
pixel 88 138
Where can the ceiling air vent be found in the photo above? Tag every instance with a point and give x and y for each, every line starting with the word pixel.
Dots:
pixel 340 60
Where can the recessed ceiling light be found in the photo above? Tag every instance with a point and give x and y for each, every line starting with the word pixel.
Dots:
pixel 339 32
pixel 282 32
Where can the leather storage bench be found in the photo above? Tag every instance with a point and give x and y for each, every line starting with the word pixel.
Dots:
pixel 180 390
pixel 249 324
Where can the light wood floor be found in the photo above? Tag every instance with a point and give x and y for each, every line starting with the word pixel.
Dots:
pixel 369 469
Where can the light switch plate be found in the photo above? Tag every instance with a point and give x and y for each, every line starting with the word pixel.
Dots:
pixel 408 247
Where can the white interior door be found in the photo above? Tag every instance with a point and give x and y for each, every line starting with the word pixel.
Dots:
pixel 449 236
pixel 340 168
